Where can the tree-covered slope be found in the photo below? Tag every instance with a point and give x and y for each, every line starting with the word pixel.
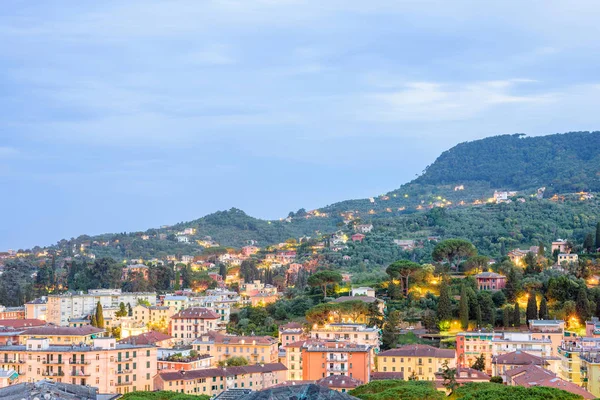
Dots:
pixel 565 162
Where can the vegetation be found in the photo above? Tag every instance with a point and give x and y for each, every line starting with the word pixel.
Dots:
pixel 162 395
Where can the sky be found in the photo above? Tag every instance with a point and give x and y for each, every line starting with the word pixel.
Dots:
pixel 125 115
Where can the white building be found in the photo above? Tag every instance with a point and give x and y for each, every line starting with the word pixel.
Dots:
pixel 521 341
pixel 61 308
pixel 363 291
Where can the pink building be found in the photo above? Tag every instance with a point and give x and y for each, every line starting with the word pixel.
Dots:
pixel 490 281
pixel 357 237
pixel 249 250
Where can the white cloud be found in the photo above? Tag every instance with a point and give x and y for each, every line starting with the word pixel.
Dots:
pixel 429 101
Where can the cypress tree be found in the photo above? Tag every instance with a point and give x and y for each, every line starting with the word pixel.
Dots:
pixel 588 243
pixel 511 285
pixel 516 320
pixel 389 335
pixel 478 316
pixel 543 309
pixel 506 317
pixel 99 316
pixel 464 307
pixel 541 250
pixel 598 235
pixel 444 303
pixel 129 310
pixel 93 322
pixel 582 305
pixel 532 310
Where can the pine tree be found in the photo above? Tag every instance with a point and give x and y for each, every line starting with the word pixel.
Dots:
pixel 444 303
pixel 464 308
pixel 99 316
pixel 543 314
pixel 479 363
pixel 532 310
pixel 582 305
pixel 598 235
pixel 389 335
pixel 516 320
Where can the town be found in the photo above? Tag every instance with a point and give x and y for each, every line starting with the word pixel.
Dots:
pixel 254 318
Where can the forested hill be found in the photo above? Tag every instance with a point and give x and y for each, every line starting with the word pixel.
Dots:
pixel 462 178
pixel 567 162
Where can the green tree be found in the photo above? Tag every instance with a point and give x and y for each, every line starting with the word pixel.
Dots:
pixel 476 264
pixel 543 313
pixel 235 361
pixel 588 243
pixel 507 317
pixel 496 379
pixel 516 319
pixel 99 316
pixel 478 316
pixel 582 305
pixel 444 303
pixel 93 322
pixel 323 279
pixel 598 235
pixel 402 270
pixel 223 270
pixel 391 331
pixel 129 310
pixel 122 310
pixel 479 363
pixel 532 311
pixel 464 308
pixel 449 376
pixel 512 285
pixel 453 251
pixel 541 250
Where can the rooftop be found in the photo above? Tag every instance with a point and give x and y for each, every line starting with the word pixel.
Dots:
pixel 418 350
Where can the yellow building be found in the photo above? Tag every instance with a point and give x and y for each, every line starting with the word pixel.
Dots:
pixel 590 369
pixel 570 354
pixel 154 315
pixel 213 381
pixel 416 361
pixel 111 367
pixel 255 349
pixel 63 335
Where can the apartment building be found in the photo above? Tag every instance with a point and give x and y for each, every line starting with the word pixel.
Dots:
pixel 256 349
pixel 63 335
pixel 327 358
pixel 153 315
pixel 517 359
pixel 416 361
pixel 353 333
pixel 290 333
pixel 36 309
pixel 111 367
pixel 178 302
pixel 509 342
pixel 470 345
pixel 570 353
pixel 62 308
pixel 214 381
pixel 219 303
pixel 553 330
pixel 191 323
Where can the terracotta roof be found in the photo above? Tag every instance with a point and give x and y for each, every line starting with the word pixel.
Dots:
pixel 151 337
pixel 518 358
pixel 339 381
pixel 291 325
pixel 21 323
pixel 229 371
pixel 53 330
pixel 196 313
pixel 418 350
pixel 532 375
pixel 230 339
pixel 380 376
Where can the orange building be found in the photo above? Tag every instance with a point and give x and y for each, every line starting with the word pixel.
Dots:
pixel 322 359
pixel 470 345
pixel 191 323
pixel 111 367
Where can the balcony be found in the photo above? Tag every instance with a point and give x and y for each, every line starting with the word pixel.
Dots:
pixel 50 373
pixel 123 383
pixel 337 358
pixel 80 373
pixel 79 362
pixel 60 362
pixel 13 362
pixel 125 359
pixel 336 368
pixel 124 371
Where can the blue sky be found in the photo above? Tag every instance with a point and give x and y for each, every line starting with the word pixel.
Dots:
pixel 125 115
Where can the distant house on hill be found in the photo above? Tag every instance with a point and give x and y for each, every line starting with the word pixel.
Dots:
pixel 363 228
pixel 358 237
pixel 490 281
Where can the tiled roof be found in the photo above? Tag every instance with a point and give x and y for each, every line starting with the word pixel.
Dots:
pixel 230 339
pixel 518 358
pixel 418 350
pixel 339 381
pixel 196 313
pixel 63 331
pixel 151 337
pixel 21 323
pixel 380 376
pixel 532 375
pixel 229 371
